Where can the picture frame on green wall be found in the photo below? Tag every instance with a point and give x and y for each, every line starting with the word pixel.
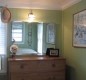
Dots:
pixel 79 29
pixel 50 33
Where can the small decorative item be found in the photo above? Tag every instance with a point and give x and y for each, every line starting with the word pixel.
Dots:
pixel 48 51
pixel 52 52
pixel 79 29
pixel 13 50
pixel 5 15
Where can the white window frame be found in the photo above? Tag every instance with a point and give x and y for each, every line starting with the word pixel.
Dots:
pixel 23 31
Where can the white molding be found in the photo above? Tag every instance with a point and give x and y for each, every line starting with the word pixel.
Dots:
pixel 72 2
pixel 41 6
pixel 35 6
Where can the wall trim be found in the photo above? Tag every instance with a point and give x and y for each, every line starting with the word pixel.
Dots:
pixel 70 4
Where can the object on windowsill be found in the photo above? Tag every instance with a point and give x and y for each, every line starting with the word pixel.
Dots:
pixel 13 50
pixel 5 15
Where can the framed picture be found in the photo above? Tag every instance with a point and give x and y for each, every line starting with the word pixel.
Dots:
pixel 51 33
pixel 52 52
pixel 79 29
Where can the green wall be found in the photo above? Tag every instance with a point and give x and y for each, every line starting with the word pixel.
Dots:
pixel 75 57
pixel 40 15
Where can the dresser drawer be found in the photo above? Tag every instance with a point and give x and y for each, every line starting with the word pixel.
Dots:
pixel 52 65
pixel 23 66
pixel 37 66
pixel 39 76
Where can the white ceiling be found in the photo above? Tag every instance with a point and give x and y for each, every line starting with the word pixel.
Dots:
pixel 38 4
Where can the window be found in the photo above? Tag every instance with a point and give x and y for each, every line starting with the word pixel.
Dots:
pixel 3 46
pixel 3 31
pixel 17 32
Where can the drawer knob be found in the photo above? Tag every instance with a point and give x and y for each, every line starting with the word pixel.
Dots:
pixel 49 78
pixel 22 79
pixel 54 78
pixel 53 65
pixel 22 66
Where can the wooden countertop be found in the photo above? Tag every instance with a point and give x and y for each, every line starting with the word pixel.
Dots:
pixel 21 58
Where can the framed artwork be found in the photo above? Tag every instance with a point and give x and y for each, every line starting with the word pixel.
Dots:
pixel 52 52
pixel 79 29
pixel 51 33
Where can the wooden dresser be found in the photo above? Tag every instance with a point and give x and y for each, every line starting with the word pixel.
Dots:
pixel 36 68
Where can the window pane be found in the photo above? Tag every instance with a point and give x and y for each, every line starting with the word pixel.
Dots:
pixel 17 31
pixel 18 39
pixel 17 35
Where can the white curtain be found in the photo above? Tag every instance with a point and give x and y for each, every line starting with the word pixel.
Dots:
pixel 0 62
pixel 3 46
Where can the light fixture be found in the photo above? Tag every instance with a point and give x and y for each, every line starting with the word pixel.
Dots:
pixel 31 16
